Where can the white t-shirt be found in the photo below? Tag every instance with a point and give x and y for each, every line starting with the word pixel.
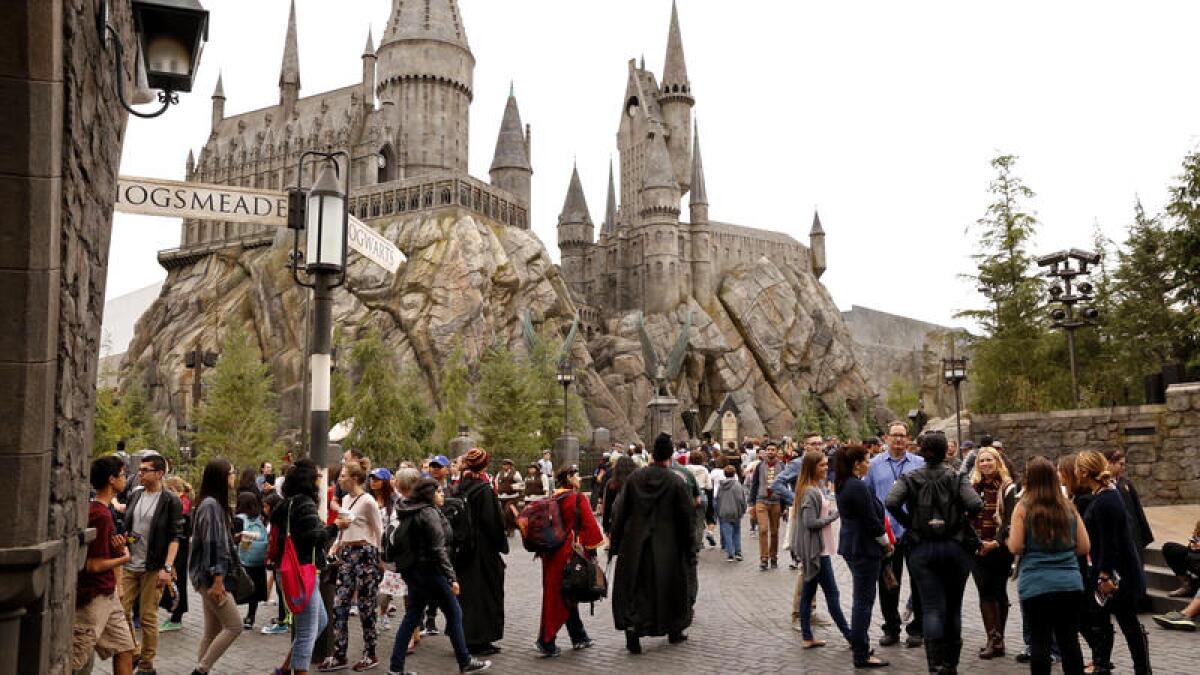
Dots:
pixel 367 525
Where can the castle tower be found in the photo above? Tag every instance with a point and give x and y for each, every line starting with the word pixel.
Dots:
pixel 511 168
pixel 426 69
pixel 659 231
pixel 609 228
pixel 289 70
pixel 369 59
pixel 218 104
pixel 702 268
pixel 575 237
pixel 816 244
pixel 676 102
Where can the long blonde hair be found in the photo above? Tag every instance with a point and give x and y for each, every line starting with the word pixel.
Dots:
pixel 1001 467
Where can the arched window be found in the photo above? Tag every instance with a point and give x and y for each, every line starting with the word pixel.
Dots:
pixel 445 195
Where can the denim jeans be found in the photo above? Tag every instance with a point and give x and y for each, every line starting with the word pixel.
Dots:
pixel 731 536
pixel 940 570
pixel 308 624
pixel 825 580
pixel 865 573
pixel 429 587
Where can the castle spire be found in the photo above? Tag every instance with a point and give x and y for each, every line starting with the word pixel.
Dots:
pixel 510 145
pixel 816 226
pixel 816 247
pixel 699 190
pixel 436 20
pixel 219 91
pixel 675 66
pixel 610 208
pixel 369 50
pixel 575 208
pixel 289 71
pixel 191 164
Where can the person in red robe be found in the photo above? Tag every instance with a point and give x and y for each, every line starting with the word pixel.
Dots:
pixel 580 522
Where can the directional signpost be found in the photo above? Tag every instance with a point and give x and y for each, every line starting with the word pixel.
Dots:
pixel 202 201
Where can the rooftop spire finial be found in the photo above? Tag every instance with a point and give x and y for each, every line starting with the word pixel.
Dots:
pixel 369 50
pixel 289 71
pixel 511 144
pixel 699 189
pixel 675 65
pixel 219 91
pixel 610 208
pixel 575 208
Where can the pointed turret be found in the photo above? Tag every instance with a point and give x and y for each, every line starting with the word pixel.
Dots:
pixel 218 104
pixel 190 169
pixel 816 245
pixel 699 189
pixel 610 206
pixel 511 169
pixel 289 69
pixel 677 102
pixel 575 236
pixel 703 287
pixel 368 72
pixel 436 20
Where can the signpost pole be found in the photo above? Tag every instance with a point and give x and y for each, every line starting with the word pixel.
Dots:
pixel 322 330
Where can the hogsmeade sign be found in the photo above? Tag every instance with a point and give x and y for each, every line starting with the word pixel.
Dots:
pixel 202 201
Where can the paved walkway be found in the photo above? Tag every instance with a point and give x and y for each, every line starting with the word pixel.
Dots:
pixel 743 623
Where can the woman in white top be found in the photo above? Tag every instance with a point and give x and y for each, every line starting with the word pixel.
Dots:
pixel 358 568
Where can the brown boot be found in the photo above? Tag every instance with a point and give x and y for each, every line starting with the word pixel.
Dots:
pixel 990 611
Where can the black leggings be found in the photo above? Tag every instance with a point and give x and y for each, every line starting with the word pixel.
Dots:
pixel 1123 608
pixel 991 575
pixel 1179 560
pixel 1053 617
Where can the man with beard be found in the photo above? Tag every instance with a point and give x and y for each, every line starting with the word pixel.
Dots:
pixel 652 539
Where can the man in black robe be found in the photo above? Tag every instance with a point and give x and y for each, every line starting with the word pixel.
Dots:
pixel 479 566
pixel 652 538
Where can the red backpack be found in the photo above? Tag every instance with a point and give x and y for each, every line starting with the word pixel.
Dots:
pixel 296 580
pixel 541 525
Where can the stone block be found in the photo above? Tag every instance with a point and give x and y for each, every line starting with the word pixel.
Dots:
pixel 28 311
pixel 1172 420
pixel 1074 439
pixel 29 222
pixel 29 146
pixel 27 399
pixel 1178 403
pixel 24 481
pixel 1196 402
pixel 1083 423
pixel 32 35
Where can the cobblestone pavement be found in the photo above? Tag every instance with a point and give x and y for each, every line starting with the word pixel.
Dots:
pixel 743 623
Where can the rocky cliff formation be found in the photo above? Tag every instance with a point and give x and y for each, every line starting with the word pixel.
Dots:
pixel 770 338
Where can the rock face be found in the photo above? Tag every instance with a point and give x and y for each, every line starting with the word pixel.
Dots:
pixel 771 337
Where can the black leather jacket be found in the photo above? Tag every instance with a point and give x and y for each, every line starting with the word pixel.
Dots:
pixel 168 526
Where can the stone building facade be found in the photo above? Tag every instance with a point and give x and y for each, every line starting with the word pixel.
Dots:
pixel 646 258
pixel 405 126
pixel 60 149
pixel 1161 442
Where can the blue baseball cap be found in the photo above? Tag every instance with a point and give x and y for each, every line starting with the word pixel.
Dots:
pixel 382 473
pixel 440 460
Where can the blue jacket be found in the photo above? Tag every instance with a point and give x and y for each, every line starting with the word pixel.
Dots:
pixel 784 484
pixel 862 521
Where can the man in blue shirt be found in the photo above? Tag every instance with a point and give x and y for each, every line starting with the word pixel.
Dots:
pixel 884 470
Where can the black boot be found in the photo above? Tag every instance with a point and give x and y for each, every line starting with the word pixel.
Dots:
pixel 632 642
pixel 933 656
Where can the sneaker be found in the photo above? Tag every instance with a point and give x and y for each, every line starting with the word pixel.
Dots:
pixel 385 623
pixel 247 624
pixel 275 629
pixel 546 651
pixel 430 629
pixel 1024 656
pixel 914 641
pixel 738 557
pixel 796 626
pixel 168 626
pixel 762 566
pixel 711 540
pixel 330 664
pixel 774 563
pixel 475 666
pixel 1175 621
pixel 585 643
pixel 353 610
pixel 889 639
pixel 365 663
pixel 730 559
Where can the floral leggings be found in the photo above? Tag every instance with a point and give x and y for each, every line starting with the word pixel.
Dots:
pixel 359 572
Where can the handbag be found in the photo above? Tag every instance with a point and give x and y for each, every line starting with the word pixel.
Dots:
pixel 297 580
pixel 583 580
pixel 238 581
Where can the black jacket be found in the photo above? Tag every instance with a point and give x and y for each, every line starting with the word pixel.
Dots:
pixel 168 526
pixel 902 502
pixel 862 521
pixel 310 536
pixel 432 533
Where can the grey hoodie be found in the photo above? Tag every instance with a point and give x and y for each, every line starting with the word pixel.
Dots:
pixel 731 499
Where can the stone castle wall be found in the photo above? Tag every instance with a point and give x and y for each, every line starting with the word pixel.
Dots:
pixel 1161 442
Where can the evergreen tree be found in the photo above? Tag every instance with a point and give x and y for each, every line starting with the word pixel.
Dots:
pixel 542 369
pixel 341 401
pixel 841 424
pixel 807 418
pixel 1183 255
pixel 902 397
pixel 507 407
pixel 391 421
pixel 454 408
pixel 238 418
pixel 107 426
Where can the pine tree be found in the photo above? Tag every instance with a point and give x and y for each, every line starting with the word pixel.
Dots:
pixel 507 407
pixel 238 418
pixel 391 421
pixel 106 429
pixel 542 369
pixel 1183 255
pixel 841 423
pixel 807 419
pixel 454 408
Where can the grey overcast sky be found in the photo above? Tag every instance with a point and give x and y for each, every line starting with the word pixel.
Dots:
pixel 883 115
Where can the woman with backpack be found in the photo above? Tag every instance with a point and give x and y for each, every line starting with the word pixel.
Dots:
pixel 993 562
pixel 479 543
pixel 1047 534
pixel 297 520
pixel 419 545
pixel 251 535
pixel 211 563
pixel 1115 578
pixel 935 505
pixel 582 532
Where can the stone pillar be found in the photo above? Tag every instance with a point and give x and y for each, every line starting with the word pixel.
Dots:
pixel 566 452
pixel 661 411
pixel 59 156
pixel 462 443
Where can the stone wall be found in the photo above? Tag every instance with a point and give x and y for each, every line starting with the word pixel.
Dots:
pixel 61 134
pixel 1161 442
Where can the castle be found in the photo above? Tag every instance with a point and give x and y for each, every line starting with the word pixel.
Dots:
pixel 409 153
pixel 646 258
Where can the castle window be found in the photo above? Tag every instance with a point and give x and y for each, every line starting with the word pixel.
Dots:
pixel 428 199
pixel 445 195
pixel 414 201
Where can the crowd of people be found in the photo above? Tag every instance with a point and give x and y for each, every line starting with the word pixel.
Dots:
pixel 415 541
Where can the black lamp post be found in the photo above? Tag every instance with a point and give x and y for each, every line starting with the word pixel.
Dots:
pixel 954 372
pixel 321 212
pixel 566 375
pixel 170 35
pixel 1068 317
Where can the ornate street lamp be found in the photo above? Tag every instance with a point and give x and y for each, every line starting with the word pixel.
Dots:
pixel 170 36
pixel 954 372
pixel 321 212
pixel 566 375
pixel 1069 317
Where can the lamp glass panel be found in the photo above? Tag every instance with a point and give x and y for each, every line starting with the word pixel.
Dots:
pixel 331 231
pixel 168 54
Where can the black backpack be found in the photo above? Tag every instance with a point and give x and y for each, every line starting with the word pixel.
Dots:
pixel 938 511
pixel 583 579
pixel 462 527
pixel 400 544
